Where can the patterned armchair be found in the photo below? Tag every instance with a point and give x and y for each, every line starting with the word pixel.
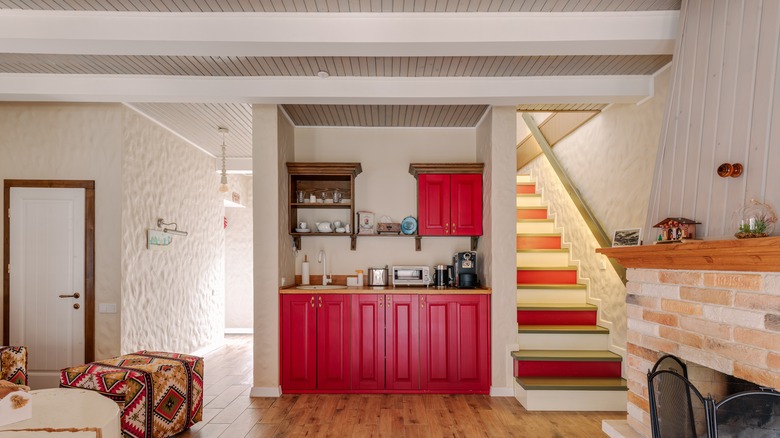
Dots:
pixel 13 364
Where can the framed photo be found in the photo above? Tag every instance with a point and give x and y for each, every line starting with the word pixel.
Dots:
pixel 627 237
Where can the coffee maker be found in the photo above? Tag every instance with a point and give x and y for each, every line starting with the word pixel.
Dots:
pixel 465 270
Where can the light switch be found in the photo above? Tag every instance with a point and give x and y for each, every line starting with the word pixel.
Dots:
pixel 107 308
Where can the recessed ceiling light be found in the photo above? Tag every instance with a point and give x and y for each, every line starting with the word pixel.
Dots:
pixel 322 74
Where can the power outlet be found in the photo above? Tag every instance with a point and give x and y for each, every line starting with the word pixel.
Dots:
pixel 107 308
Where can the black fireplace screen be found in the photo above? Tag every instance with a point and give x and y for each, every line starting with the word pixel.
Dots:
pixel 678 410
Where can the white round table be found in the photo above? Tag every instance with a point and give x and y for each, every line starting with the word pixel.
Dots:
pixel 74 413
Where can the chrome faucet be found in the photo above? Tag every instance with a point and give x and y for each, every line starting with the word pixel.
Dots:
pixel 322 259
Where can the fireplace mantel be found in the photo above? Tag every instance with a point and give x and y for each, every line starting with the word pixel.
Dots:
pixel 756 255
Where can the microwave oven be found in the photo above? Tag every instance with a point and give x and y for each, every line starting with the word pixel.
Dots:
pixel 411 275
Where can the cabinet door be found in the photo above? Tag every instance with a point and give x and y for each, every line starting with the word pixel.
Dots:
pixel 333 354
pixel 368 341
pixel 472 325
pixel 455 343
pixel 466 205
pixel 403 347
pixel 298 338
pixel 433 205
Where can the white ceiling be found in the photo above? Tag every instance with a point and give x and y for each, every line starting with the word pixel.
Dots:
pixel 195 65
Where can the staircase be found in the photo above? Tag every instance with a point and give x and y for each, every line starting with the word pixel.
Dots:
pixel 563 363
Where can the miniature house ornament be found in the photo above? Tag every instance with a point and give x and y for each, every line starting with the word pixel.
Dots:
pixel 676 229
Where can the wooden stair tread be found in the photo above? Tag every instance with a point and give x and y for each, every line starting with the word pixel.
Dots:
pixel 567 355
pixel 528 195
pixel 553 286
pixel 556 306
pixel 573 383
pixel 539 235
pixel 535 220
pixel 532 207
pixel 576 329
pixel 561 250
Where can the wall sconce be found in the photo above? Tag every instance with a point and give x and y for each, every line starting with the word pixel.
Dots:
pixel 174 230
pixel 728 169
pixel 223 182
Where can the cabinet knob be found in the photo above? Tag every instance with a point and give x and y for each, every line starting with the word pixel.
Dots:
pixel 422 301
pixel 388 301
pixel 320 302
pixel 381 302
pixel 312 301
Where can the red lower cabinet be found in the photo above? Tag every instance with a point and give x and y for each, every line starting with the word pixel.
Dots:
pixel 385 342
pixel 455 343
pixel 376 342
pixel 315 342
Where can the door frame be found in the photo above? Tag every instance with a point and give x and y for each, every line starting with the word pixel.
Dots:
pixel 89 253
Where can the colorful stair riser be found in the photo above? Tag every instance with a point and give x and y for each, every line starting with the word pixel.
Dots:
pixel 556 317
pixel 553 368
pixel 569 368
pixel 546 276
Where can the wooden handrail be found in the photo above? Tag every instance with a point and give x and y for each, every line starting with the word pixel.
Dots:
pixel 587 214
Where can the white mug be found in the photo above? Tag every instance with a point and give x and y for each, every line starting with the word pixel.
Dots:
pixel 302 225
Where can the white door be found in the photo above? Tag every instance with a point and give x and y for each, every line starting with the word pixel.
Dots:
pixel 47 279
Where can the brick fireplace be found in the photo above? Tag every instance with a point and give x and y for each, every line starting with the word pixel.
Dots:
pixel 714 304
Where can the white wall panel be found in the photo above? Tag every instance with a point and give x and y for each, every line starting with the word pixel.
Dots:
pixel 723 108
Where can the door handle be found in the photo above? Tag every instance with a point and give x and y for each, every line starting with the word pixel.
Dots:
pixel 74 295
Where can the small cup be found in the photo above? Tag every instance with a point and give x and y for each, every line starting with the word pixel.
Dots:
pixel 303 225
pixel 300 195
pixel 338 224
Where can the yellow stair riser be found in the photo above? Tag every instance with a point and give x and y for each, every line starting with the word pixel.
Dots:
pixel 563 341
pixel 529 201
pixel 539 259
pixel 528 296
pixel 535 227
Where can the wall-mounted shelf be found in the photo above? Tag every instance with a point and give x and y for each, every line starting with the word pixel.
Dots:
pixel 316 178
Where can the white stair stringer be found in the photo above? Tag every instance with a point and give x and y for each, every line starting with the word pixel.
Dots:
pixel 571 400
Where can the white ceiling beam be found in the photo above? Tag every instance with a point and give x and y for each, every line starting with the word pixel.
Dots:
pixel 334 90
pixel 336 34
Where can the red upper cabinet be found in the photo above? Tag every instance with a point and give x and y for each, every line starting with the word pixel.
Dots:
pixel 466 205
pixel 449 203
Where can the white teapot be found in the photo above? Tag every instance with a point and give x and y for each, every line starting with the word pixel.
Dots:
pixel 324 227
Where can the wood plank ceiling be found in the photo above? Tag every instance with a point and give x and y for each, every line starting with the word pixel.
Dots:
pixel 197 122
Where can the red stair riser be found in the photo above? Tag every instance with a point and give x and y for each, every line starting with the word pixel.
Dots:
pixel 556 317
pixel 538 242
pixel 526 189
pixel 536 213
pixel 544 368
pixel 563 276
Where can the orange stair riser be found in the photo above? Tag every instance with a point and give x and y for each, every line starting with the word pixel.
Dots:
pixel 563 276
pixel 535 213
pixel 526 189
pixel 550 368
pixel 538 242
pixel 556 317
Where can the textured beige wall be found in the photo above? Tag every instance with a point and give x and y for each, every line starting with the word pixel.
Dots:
pixel 76 142
pixel 238 258
pixel 385 187
pixel 609 159
pixel 172 300
pixel 495 140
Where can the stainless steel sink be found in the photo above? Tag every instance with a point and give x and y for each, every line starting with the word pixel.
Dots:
pixel 321 287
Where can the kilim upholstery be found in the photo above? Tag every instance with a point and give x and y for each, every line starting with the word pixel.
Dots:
pixel 159 394
pixel 13 364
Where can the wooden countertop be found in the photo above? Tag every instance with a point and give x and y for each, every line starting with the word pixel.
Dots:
pixel 389 290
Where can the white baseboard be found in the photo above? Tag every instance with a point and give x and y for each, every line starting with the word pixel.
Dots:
pixel 500 391
pixel 239 331
pixel 267 391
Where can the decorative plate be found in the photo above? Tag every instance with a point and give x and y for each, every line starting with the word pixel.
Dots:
pixel 409 225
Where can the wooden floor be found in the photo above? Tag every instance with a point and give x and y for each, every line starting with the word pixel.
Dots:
pixel 230 413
